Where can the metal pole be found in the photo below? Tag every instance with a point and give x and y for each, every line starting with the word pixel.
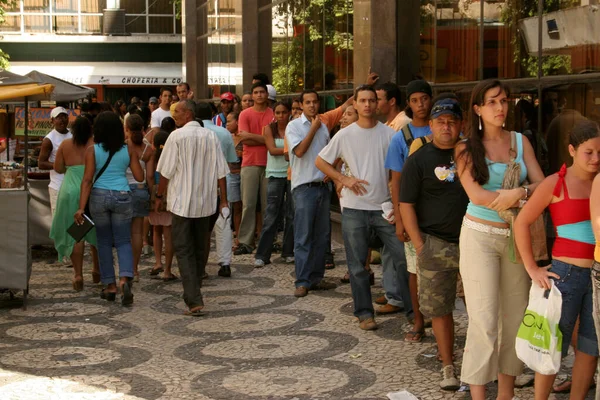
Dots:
pixel 538 150
pixel 26 132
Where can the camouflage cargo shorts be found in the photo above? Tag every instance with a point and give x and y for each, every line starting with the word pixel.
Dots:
pixel 438 275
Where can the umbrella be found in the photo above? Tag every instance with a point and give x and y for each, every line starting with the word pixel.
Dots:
pixel 63 90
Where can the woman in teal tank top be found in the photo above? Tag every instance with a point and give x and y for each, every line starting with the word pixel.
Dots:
pixel 70 161
pixel 110 202
pixel 496 289
pixel 277 188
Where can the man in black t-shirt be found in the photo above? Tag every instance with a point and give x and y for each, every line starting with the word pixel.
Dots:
pixel 433 204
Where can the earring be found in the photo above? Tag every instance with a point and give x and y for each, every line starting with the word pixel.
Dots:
pixel 503 124
pixel 480 127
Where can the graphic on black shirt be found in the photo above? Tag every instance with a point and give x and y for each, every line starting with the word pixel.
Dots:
pixel 446 173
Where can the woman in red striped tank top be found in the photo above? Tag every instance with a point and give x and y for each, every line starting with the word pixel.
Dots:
pixel 567 195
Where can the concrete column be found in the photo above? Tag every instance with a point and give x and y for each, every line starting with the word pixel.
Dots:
pixel 195 46
pixel 256 39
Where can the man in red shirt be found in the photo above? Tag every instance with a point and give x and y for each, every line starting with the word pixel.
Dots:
pixel 254 161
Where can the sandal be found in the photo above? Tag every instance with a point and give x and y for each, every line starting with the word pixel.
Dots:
pixel 109 296
pixel 564 386
pixel 170 278
pixel 96 276
pixel 346 278
pixel 155 271
pixel 127 295
pixel 329 264
pixel 414 336
pixel 194 312
pixel 78 284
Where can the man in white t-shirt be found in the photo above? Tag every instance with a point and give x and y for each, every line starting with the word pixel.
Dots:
pixel 164 110
pixel 363 146
pixel 60 120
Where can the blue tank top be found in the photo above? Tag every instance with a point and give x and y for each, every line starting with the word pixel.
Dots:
pixel 114 177
pixel 495 182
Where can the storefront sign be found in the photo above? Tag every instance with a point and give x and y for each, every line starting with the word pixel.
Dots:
pixel 39 121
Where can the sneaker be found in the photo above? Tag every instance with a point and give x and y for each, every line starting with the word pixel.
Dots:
pixel 388 309
pixel 290 260
pixel 449 380
pixel 381 300
pixel 368 324
pixel 323 285
pixel 147 250
pixel 258 263
pixel 301 291
pixel 242 249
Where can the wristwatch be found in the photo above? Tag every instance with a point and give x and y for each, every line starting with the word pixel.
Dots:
pixel 527 192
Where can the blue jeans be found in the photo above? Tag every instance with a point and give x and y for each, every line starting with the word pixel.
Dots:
pixel 356 226
pixel 311 227
pixel 112 212
pixel 140 200
pixel 575 285
pixel 276 193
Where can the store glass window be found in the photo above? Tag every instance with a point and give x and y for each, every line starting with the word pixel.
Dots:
pixel 12 23
pixel 36 6
pixel 65 6
pixel 65 24
pixel 92 6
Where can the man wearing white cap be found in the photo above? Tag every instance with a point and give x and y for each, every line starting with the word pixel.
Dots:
pixel 227 100
pixel 60 120
pixel 272 95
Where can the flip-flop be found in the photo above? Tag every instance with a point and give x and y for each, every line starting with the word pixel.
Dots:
pixel 156 271
pixel 173 277
pixel 564 386
pixel 414 336
pixel 194 312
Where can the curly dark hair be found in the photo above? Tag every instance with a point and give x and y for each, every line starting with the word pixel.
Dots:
pixel 81 130
pixel 135 125
pixel 109 132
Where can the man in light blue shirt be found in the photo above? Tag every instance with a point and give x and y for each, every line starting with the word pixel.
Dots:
pixel 223 230
pixel 306 137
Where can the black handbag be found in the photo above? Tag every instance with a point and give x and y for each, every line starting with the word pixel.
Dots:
pixel 87 205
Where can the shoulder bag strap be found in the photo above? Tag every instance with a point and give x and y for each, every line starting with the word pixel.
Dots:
pixel 110 156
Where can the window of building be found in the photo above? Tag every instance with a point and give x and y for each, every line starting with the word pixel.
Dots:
pixel 85 17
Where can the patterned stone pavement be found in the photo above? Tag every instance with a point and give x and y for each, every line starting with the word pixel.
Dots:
pixel 256 341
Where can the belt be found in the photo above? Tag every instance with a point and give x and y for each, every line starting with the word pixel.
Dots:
pixel 314 184
pixel 479 227
pixel 139 185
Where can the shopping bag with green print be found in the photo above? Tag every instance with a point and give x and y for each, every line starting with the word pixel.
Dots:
pixel 539 340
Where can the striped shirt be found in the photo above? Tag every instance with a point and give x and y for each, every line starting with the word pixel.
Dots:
pixel 193 162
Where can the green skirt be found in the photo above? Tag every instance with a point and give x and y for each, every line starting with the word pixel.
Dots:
pixel 66 207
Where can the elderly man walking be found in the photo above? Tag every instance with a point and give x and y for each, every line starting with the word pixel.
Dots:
pixel 193 166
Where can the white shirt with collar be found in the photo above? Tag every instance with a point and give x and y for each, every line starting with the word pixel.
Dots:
pixel 193 162
pixel 304 169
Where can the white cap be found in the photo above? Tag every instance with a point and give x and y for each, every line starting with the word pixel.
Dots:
pixel 57 111
pixel 272 92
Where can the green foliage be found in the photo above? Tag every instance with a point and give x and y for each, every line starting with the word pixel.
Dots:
pixel 3 56
pixel 177 4
pixel 324 24
pixel 513 11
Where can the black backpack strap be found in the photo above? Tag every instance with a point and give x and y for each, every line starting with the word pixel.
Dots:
pixel 408 136
pixel 423 140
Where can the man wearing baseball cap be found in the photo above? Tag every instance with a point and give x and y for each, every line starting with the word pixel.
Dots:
pixel 227 100
pixel 272 95
pixel 433 204
pixel 153 103
pixel 60 120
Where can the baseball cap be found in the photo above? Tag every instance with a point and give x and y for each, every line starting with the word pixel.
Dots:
pixel 272 92
pixel 153 100
pixel 418 86
pixel 446 107
pixel 227 96
pixel 57 111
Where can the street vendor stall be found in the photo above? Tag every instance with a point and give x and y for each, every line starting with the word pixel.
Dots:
pixel 15 255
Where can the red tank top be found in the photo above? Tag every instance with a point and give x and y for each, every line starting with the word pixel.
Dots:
pixel 572 224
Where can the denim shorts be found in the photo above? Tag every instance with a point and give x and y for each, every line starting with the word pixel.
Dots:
pixel 575 285
pixel 234 193
pixel 140 200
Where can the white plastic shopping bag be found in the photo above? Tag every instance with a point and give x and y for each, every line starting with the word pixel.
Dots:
pixel 539 340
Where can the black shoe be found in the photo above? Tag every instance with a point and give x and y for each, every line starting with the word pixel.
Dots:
pixel 372 278
pixel 242 249
pixel 323 285
pixel 127 296
pixel 109 296
pixel 225 271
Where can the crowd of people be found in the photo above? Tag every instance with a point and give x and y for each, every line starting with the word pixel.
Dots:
pixel 449 196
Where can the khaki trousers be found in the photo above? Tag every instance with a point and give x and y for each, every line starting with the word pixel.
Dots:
pixel 496 292
pixel 252 180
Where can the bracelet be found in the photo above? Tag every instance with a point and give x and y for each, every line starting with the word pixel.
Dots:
pixel 527 192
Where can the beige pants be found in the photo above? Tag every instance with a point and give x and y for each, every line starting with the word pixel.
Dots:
pixel 53 200
pixel 252 180
pixel 496 292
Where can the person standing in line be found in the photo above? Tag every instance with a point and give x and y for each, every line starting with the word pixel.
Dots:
pixel 566 194
pixel 418 106
pixel 193 167
pixel 296 109
pixel 227 102
pixel 234 194
pixel 306 137
pixel 251 124
pixel 184 92
pixel 152 104
pixel 433 204
pixel 362 195
pixel 276 173
pixel 492 282
pixel 595 218
pixel 105 185
pixel 247 101
pixel 223 231
pixel 140 196
pixel 59 117
pixel 70 161
pixel 164 110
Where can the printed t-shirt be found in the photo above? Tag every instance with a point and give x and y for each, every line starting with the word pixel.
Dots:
pixel 429 181
pixel 254 122
pixel 364 152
